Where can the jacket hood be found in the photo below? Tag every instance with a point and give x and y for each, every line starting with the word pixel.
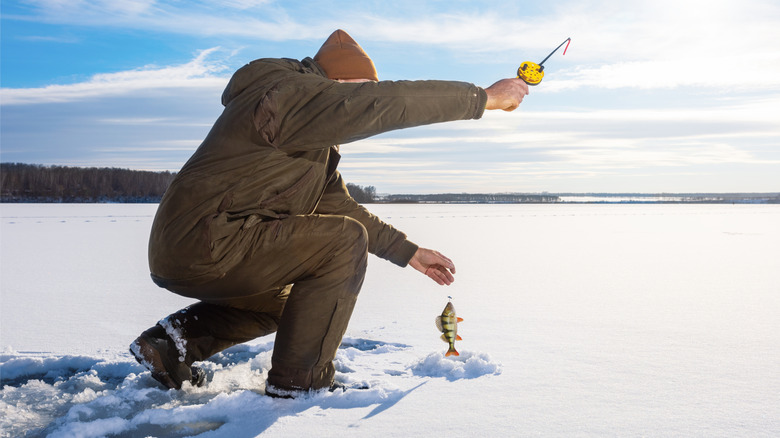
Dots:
pixel 249 74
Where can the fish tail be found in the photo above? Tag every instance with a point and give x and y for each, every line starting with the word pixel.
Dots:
pixel 452 352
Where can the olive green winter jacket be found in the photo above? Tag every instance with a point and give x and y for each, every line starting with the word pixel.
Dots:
pixel 272 153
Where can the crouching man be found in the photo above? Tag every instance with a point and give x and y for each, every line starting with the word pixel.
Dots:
pixel 258 225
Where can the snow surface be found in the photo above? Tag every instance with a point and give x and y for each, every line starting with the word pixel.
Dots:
pixel 579 320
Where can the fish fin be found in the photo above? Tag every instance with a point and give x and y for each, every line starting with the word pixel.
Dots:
pixel 460 319
pixel 444 338
pixel 452 352
pixel 438 323
pixel 458 338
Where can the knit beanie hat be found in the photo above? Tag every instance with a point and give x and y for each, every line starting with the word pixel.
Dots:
pixel 343 58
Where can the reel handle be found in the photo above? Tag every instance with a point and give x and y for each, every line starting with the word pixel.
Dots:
pixel 531 72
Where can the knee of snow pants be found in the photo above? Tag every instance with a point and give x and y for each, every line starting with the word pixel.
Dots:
pixel 318 311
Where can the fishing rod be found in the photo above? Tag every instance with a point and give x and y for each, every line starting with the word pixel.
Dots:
pixel 531 72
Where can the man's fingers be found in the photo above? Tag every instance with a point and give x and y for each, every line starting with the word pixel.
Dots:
pixel 440 275
pixel 446 261
pixel 447 278
pixel 434 265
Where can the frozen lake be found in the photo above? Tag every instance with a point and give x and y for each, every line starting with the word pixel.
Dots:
pixel 579 320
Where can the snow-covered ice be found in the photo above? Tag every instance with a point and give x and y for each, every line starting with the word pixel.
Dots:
pixel 579 320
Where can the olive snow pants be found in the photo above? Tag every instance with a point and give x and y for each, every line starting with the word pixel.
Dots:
pixel 301 280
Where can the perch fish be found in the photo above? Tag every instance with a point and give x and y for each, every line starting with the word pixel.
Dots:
pixel 447 323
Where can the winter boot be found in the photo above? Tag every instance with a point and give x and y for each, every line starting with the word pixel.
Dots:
pixel 155 350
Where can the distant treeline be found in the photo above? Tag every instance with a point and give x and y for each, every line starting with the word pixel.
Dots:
pixel 472 198
pixel 37 183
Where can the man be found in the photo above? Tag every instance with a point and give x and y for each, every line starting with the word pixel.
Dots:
pixel 259 227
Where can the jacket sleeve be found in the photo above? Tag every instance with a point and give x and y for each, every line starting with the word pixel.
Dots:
pixel 383 239
pixel 306 111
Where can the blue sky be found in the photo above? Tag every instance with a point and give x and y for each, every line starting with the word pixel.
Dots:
pixel 651 96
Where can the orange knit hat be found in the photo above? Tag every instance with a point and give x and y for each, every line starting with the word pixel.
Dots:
pixel 343 58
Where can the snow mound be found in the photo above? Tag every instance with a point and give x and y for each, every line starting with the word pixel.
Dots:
pixel 466 366
pixel 86 396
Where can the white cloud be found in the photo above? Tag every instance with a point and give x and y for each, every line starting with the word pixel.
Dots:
pixel 553 150
pixel 698 72
pixel 155 146
pixel 51 39
pixel 152 121
pixel 135 121
pixel 749 118
pixel 69 10
pixel 637 44
pixel 243 4
pixel 198 73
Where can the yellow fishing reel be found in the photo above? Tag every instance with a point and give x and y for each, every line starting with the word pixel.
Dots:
pixel 533 73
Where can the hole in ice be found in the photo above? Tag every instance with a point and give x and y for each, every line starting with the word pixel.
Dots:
pixel 466 366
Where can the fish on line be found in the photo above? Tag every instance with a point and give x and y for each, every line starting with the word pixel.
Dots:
pixel 447 323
